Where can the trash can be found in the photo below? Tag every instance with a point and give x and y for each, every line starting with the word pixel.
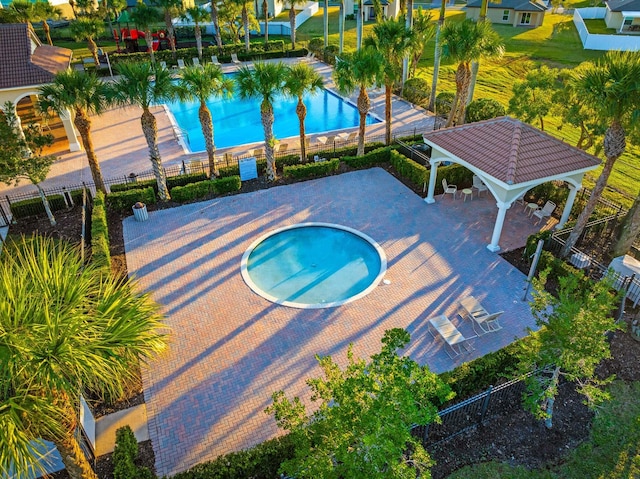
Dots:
pixel 140 212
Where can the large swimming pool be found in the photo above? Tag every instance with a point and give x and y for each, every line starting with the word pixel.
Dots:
pixel 237 122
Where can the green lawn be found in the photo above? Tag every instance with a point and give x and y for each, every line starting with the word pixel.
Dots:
pixel 598 26
pixel 612 452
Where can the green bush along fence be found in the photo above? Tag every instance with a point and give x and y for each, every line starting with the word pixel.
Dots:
pixel 123 200
pixel 100 254
pixel 312 170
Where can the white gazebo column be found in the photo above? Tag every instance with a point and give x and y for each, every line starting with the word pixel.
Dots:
pixel 497 228
pixel 69 129
pixel 567 206
pixel 432 182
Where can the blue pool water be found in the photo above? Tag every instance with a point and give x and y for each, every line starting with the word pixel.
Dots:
pixel 313 265
pixel 236 122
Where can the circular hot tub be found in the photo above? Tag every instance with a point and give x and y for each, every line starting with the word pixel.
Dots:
pixel 313 265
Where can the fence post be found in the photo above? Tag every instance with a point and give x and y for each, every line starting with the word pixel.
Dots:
pixel 485 404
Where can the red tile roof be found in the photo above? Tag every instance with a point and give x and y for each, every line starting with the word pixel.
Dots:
pixel 510 150
pixel 19 66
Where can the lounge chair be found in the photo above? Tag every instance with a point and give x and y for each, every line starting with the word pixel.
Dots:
pixel 479 185
pixel 196 62
pixel 326 140
pixel 181 64
pixel 214 60
pixel 447 331
pixel 451 189
pixel 310 57
pixel 480 317
pixel 283 147
pixel 520 199
pixel 258 152
pixel 234 59
pixel 163 65
pixel 196 166
pixel 545 211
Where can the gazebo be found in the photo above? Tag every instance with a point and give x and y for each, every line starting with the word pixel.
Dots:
pixel 510 157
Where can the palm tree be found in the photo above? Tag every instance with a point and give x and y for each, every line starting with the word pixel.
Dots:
pixel 341 21
pixel 302 79
pixel 325 22
pixel 216 22
pixel 611 88
pixel 360 70
pixel 475 65
pixel 170 9
pixel 85 95
pixel 87 334
pixel 200 84
pixel 245 22
pixel 142 85
pixel 292 19
pixel 465 42
pixel 111 9
pixel 436 57
pixel 359 25
pixel 198 15
pixel 87 28
pixel 145 17
pixel 45 11
pixel 423 30
pixel 264 81
pixel 265 12
pixel 392 39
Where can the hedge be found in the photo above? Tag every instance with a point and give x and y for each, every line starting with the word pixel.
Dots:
pixel 100 254
pixel 454 174
pixel 124 200
pixel 34 206
pixel 202 189
pixel 373 158
pixel 227 185
pixel 311 170
pixel 172 182
pixel 409 169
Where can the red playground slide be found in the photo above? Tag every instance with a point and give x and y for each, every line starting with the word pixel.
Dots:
pixel 133 34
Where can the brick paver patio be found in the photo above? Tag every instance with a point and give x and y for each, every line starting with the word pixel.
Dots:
pixel 230 349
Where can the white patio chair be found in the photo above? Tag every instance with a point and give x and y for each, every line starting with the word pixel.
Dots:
pixel 181 64
pixel 214 60
pixel 196 62
pixel 451 189
pixel 480 317
pixel 479 185
pixel 545 211
pixel 163 65
pixel 234 59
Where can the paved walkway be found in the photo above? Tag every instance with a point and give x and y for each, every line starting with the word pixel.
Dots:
pixel 231 349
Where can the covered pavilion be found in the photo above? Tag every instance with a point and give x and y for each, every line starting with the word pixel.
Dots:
pixel 510 157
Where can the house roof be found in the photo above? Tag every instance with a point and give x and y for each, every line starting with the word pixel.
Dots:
pixel 24 65
pixel 519 5
pixel 511 151
pixel 626 5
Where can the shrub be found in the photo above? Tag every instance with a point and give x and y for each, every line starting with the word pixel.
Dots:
pixel 316 45
pixel 409 169
pixel 100 254
pixel 373 158
pixel 311 170
pixel 191 191
pixel 34 206
pixel 329 54
pixel 456 175
pixel 444 101
pixel 417 91
pixel 484 109
pixel 172 181
pixel 134 185
pixel 123 200
pixel 124 454
pixel 227 185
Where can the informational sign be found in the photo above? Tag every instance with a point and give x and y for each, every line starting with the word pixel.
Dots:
pixel 248 169
pixel 88 423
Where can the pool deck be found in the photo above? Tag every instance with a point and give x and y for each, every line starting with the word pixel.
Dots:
pixel 231 349
pixel 121 148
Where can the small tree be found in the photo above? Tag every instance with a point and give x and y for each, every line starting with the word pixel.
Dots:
pixel 362 427
pixel 21 155
pixel 571 342
pixel 198 15
pixel 533 97
pixel 484 109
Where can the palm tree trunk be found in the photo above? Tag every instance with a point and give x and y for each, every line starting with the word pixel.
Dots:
pixel 363 108
pixel 301 111
pixel 148 37
pixel 405 60
pixel 47 32
pixel 541 118
pixel 341 26
pixel 216 23
pixel 436 59
pixel 47 206
pixel 83 124
pixel 630 229
pixel 170 33
pixel 614 146
pixel 325 22
pixel 586 140
pixel 245 23
pixel 388 90
pixel 456 116
pixel 359 26
pixel 265 11
pixel 206 123
pixel 292 25
pixel 150 130
pixel 266 115
pixel 199 41
pixel 93 49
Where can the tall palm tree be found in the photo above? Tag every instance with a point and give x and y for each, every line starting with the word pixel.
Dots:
pixel 198 15
pixel 292 19
pixel 392 39
pixel 200 84
pixel 341 21
pixel 436 57
pixel 325 22
pixel 88 28
pixel 87 334
pixel 423 30
pixel 170 9
pixel 216 22
pixel 265 12
pixel 45 11
pixel 111 9
pixel 302 79
pixel 264 80
pixel 360 70
pixel 408 18
pixel 359 24
pixel 465 42
pixel 245 22
pixel 142 85
pixel 611 88
pixel 85 95
pixel 145 17
pixel 475 65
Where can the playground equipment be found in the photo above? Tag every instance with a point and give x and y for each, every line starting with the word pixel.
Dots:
pixel 130 37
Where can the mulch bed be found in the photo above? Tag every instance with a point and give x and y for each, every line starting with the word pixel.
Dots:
pixel 514 437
